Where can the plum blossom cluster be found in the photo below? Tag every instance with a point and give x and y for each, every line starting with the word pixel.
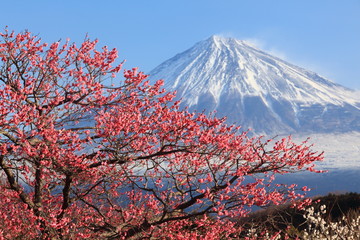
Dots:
pixel 319 228
pixel 87 154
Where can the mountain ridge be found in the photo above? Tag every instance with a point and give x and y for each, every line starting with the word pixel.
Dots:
pixel 255 89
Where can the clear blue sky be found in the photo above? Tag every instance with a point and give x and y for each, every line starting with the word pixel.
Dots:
pixel 320 35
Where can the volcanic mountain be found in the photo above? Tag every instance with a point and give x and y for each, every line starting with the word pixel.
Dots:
pixel 257 90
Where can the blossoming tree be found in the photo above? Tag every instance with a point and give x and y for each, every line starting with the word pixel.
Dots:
pixel 84 155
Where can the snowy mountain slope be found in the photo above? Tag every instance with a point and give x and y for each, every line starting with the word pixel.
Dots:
pixel 257 90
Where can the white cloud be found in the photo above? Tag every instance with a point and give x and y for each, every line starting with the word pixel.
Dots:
pixel 262 45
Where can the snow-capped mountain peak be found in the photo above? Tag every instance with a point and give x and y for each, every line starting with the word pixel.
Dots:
pixel 249 85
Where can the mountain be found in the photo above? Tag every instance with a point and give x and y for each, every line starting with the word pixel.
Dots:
pixel 257 90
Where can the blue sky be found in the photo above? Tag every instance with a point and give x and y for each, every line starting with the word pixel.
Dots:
pixel 320 35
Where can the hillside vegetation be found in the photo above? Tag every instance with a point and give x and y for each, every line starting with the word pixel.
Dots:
pixel 335 216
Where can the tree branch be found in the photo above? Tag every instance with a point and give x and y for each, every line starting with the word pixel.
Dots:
pixel 14 185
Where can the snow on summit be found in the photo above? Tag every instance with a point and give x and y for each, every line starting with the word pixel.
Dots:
pixel 257 90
